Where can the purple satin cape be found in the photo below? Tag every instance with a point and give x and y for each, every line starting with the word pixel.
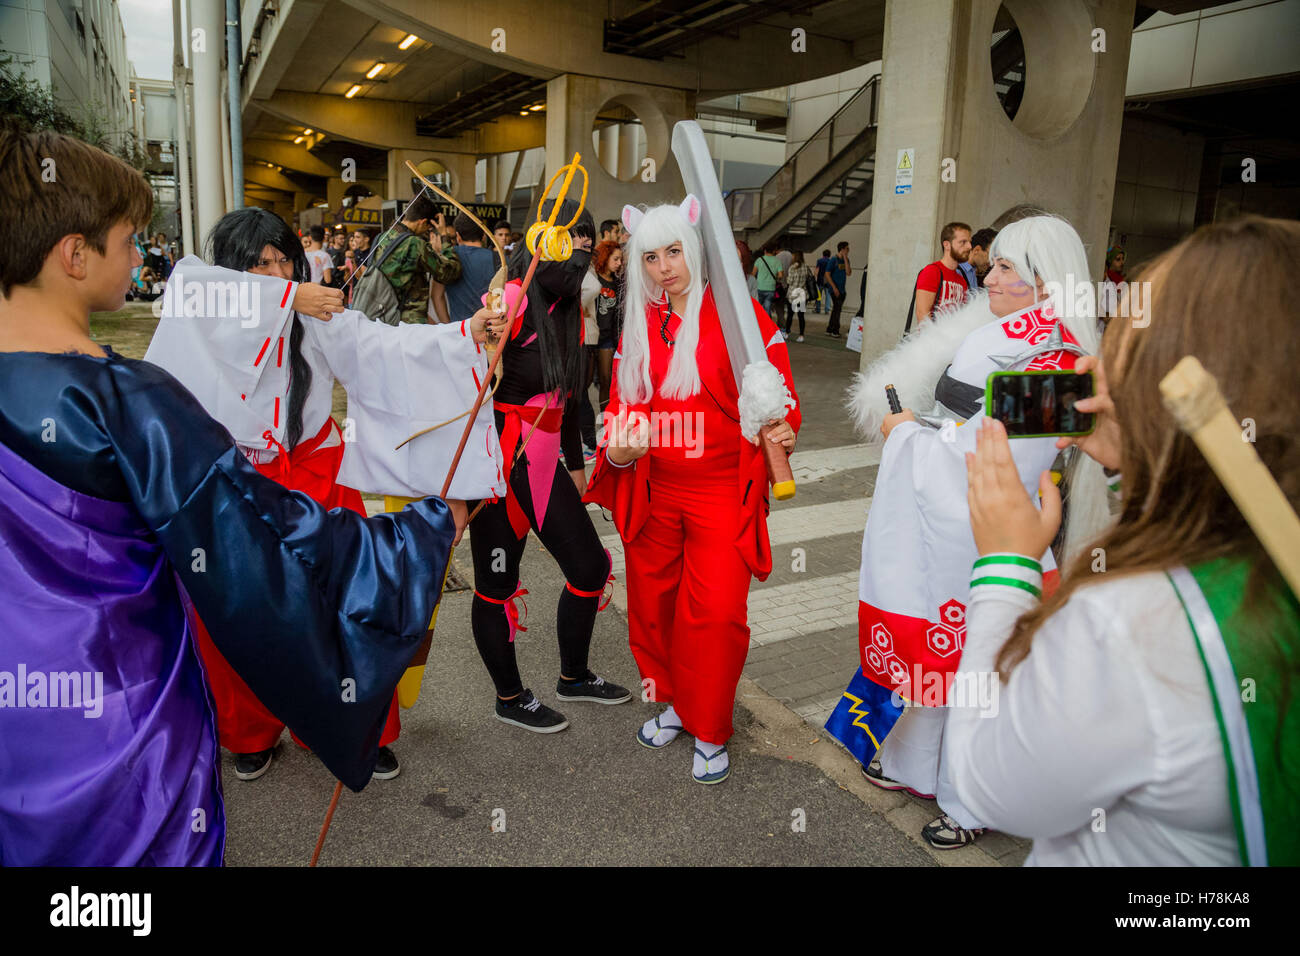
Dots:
pixel 138 783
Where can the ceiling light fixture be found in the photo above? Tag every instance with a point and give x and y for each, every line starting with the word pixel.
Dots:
pixel 306 132
pixel 375 70
pixel 410 38
pixel 297 140
pixel 352 92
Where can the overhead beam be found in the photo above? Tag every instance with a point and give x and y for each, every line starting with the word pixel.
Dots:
pixel 280 39
pixel 287 155
pixel 759 57
pixel 383 124
pixel 265 176
pixel 744 106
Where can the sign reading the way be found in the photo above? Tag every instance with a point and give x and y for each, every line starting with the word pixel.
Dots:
pixel 489 212
pixel 903 171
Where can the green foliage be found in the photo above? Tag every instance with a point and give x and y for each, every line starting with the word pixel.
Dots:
pixel 35 108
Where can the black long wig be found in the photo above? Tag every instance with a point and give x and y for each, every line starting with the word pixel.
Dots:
pixel 558 284
pixel 236 242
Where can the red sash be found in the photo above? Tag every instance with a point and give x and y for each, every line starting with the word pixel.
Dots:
pixel 543 433
pixel 313 470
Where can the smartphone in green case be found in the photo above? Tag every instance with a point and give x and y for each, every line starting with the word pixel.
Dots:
pixel 1040 403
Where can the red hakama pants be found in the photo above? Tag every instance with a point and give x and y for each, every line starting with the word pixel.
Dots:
pixel 688 595
pixel 244 725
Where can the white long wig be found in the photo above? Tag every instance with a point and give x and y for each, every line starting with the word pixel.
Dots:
pixel 1048 248
pixel 653 229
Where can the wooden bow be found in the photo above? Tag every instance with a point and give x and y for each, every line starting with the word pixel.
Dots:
pixel 497 286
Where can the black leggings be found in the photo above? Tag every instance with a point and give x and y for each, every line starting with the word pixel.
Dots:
pixel 571 539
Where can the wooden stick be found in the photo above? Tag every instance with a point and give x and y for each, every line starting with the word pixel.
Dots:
pixel 1193 397
pixel 778 466
pixel 325 827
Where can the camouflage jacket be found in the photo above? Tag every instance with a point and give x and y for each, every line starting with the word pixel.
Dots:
pixel 411 264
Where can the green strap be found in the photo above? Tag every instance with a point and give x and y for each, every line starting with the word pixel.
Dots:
pixel 1251 654
pixel 1009 559
pixel 1009 582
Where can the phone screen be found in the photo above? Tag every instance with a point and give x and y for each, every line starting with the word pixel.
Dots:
pixel 1037 404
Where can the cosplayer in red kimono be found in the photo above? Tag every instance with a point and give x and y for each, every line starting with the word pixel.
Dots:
pixel 688 492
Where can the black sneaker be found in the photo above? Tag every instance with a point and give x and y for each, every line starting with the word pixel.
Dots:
pixel 875 774
pixel 252 766
pixel 528 712
pixel 387 767
pixel 943 833
pixel 592 688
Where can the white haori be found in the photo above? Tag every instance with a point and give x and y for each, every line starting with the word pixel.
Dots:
pixel 917 554
pixel 401 380
pixel 224 336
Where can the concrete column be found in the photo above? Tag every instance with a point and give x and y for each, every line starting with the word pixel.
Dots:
pixel 180 83
pixel 608 149
pixel 399 177
pixel 572 102
pixel 1059 153
pixel 209 17
pixel 630 139
pixel 227 179
pixel 491 185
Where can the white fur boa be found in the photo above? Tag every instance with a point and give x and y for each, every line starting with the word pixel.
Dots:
pixel 915 365
pixel 763 397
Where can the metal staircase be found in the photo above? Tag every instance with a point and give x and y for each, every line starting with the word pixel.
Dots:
pixel 821 187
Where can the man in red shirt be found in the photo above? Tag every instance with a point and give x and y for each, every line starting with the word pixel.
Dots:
pixel 939 284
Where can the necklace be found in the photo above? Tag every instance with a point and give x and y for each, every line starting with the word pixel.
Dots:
pixel 663 327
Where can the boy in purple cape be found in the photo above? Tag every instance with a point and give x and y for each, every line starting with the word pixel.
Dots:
pixel 117 489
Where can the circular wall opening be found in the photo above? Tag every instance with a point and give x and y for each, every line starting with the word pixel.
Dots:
pixel 355 193
pixel 435 172
pixel 1007 59
pixel 618 139
pixel 1042 63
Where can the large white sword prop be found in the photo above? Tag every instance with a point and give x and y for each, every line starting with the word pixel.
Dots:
pixel 763 395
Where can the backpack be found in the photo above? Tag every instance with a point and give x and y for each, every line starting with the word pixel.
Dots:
pixel 911 306
pixel 374 296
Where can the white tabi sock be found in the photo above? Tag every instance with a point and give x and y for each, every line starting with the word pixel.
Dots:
pixel 716 755
pixel 670 725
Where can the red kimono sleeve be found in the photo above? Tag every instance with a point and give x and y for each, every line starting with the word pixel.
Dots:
pixel 779 355
pixel 752 540
pixel 621 491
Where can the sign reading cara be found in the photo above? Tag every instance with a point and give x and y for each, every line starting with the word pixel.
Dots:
pixel 362 217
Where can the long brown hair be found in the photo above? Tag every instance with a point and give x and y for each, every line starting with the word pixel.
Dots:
pixel 1225 295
